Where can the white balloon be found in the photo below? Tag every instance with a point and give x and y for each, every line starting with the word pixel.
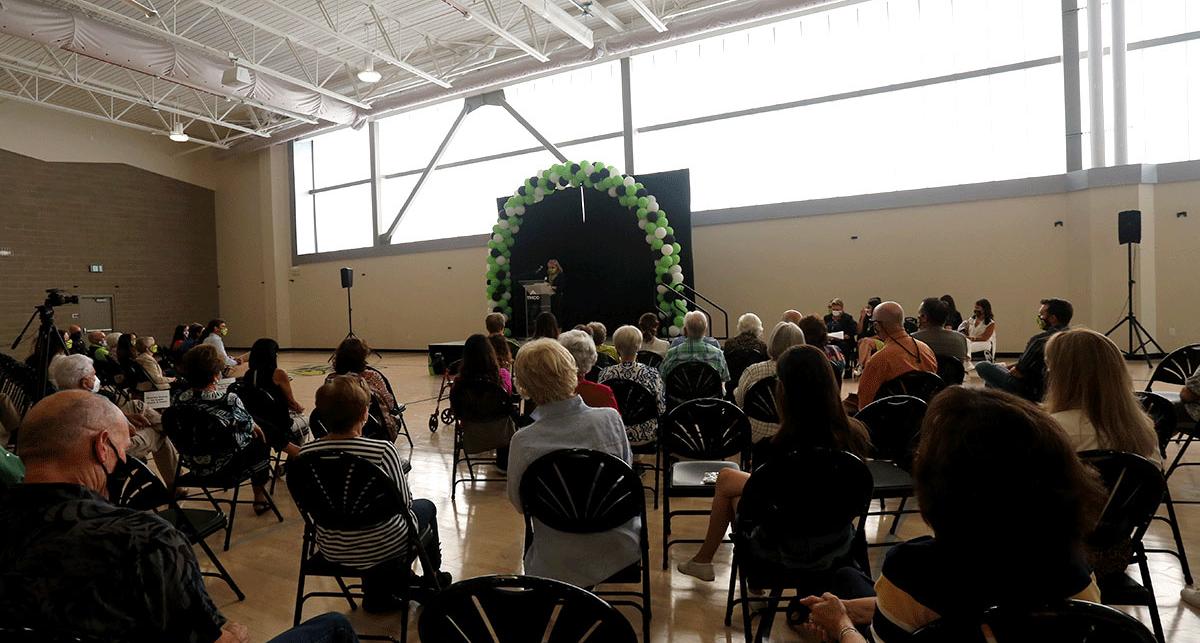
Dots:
pixel 538 198
pixel 498 238
pixel 503 223
pixel 589 169
pixel 508 295
pixel 660 232
pixel 509 211
pixel 517 228
pixel 653 207
pixel 676 278
pixel 629 180
pixel 642 224
pixel 501 260
pixel 676 269
pixel 649 238
pixel 667 249
pixel 662 288
pixel 554 177
pixel 674 331
pixel 520 209
pixel 537 192
pixel 612 192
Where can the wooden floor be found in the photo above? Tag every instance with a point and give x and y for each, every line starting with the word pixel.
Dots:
pixel 481 534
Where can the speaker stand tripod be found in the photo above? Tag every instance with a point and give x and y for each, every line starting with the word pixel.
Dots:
pixel 1135 327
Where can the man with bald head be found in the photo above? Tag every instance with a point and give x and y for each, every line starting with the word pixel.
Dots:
pixel 900 354
pixel 71 559
pixel 792 317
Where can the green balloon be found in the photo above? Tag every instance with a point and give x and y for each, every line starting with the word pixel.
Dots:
pixel 678 248
pixel 642 212
pixel 670 230
pixel 630 190
pixel 660 271
pixel 656 244
pixel 675 259
pixel 528 199
pixel 679 320
pixel 643 202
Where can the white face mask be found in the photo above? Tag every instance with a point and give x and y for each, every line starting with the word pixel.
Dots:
pixel 836 313
pixel 95 384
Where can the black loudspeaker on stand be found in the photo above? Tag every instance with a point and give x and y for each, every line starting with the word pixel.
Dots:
pixel 348 284
pixel 1129 232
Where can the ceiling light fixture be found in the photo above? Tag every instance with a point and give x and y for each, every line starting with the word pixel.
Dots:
pixel 177 133
pixel 369 75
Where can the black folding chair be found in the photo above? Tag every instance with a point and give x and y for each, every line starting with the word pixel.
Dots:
pixel 1135 487
pixel 951 370
pixel 271 415
pixel 638 405
pixel 774 525
pixel 894 424
pixel 704 432
pixel 396 411
pixel 1176 368
pixel 196 433
pixel 586 492
pixel 477 404
pixel 915 383
pixel 649 358
pixel 19 634
pixel 1069 622
pixel 18 382
pixel 140 489
pixel 518 609
pixel 1163 413
pixel 348 493
pixel 603 361
pixel 691 381
pixel 741 359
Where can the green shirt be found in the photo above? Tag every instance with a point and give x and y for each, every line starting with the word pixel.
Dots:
pixel 12 470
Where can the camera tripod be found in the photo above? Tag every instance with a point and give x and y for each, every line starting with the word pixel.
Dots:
pixel 47 339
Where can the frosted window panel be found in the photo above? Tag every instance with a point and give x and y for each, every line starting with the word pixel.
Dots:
pixel 1146 19
pixel 408 140
pixel 461 201
pixel 341 157
pixel 984 129
pixel 572 105
pixel 306 241
pixel 487 131
pixel 344 218
pixel 1164 96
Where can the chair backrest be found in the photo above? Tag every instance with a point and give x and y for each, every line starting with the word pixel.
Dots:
pixel 691 381
pixel 512 609
pixel 915 383
pixel 581 492
pixel 738 360
pixel 705 429
pixel 19 383
pixel 894 424
pixel 18 634
pixel 759 403
pixel 388 385
pixel 341 491
pixel 1162 411
pixel 649 358
pixel 1177 366
pixel 261 404
pixel 195 431
pixel 479 401
pixel 770 500
pixel 635 402
pixel 137 487
pixel 951 370
pixel 1068 622
pixel 1135 489
pixel 604 360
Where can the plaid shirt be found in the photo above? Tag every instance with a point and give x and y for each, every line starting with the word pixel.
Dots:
pixel 695 350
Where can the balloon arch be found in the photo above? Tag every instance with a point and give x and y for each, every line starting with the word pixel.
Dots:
pixel 660 236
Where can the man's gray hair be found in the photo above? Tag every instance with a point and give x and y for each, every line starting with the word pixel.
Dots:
pixel 582 347
pixel 695 324
pixel 67 370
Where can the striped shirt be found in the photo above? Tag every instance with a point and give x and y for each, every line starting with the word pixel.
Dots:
pixel 388 540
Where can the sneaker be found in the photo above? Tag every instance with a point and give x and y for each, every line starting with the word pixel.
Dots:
pixel 1190 595
pixel 703 571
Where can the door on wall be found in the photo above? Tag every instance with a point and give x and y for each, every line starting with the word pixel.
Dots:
pixel 96 312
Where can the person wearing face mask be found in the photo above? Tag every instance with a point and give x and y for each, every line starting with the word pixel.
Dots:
pixel 75 343
pixel 1027 377
pixel 213 335
pixel 76 372
pixel 900 354
pixel 144 349
pixel 837 321
pixel 119 573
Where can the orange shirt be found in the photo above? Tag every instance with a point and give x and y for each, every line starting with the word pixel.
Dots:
pixel 893 361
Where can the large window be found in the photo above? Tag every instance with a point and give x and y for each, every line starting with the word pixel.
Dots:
pixel 869 97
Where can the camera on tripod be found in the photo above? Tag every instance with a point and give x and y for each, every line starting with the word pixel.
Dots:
pixel 59 297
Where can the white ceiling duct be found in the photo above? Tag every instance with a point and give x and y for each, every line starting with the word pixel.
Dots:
pixel 87 36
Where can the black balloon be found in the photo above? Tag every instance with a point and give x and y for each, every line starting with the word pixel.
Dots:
pixel 665 278
pixel 642 192
pixel 652 216
pixel 604 174
pixel 500 290
pixel 669 239
pixel 574 168
pixel 521 190
pixel 595 177
pixel 497 309
pixel 501 275
pixel 496 252
pixel 503 215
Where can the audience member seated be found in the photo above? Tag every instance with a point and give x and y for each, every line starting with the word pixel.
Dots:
pixel 837 321
pixel 12 472
pixel 97 345
pixel 816 334
pixel 980 330
pixel 749 337
pixel 494 323
pixel 583 350
pixel 214 335
pixel 1027 377
pixel 1090 394
pixel 648 323
pixel 504 357
pixel 982 452
pixel 784 336
pixel 545 326
pixel 144 349
pixel 546 373
pixel 628 340
pixel 792 316
pixel 868 343
pixel 351 358
pixel 76 344
pixel 73 561
pixel 202 368
pixel 194 331
pixel 110 342
pixel 953 317
pixel 290 426
pixel 479 362
pixel 125 351
pixel 600 335
pixel 899 355
pixel 695 347
pixel 77 372
pixel 383 550
pixel 808 399
pixel 941 340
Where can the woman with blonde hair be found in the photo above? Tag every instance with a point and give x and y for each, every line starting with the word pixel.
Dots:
pixel 1090 394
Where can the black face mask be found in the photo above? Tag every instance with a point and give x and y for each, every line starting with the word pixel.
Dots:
pixel 119 474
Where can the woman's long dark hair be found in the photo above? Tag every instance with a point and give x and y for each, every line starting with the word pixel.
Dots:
pixel 479 360
pixel 125 348
pixel 264 360
pixel 648 322
pixel 351 356
pixel 211 328
pixel 194 332
pixel 953 308
pixel 545 326
pixel 810 405
pixel 178 336
pixel 987 310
